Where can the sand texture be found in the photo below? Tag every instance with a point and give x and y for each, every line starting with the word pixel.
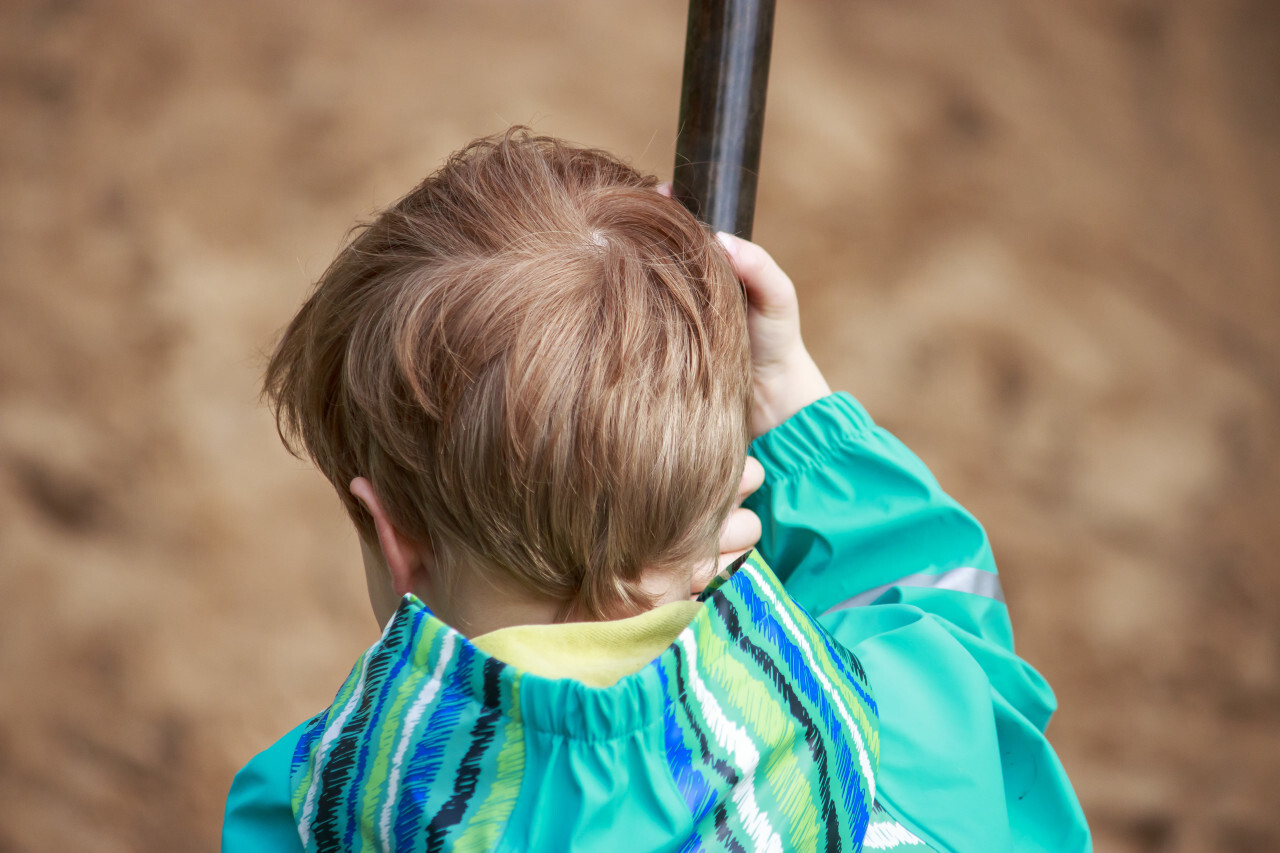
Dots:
pixel 1041 241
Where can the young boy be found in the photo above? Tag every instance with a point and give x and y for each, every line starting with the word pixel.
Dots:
pixel 532 381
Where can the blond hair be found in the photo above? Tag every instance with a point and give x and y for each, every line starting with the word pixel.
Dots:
pixel 540 363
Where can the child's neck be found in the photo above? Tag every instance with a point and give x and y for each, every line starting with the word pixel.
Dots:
pixel 485 606
pixel 477 603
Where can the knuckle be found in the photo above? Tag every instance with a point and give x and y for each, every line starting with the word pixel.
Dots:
pixel 753 258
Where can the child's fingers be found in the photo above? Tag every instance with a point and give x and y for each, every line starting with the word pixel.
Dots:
pixel 665 188
pixel 752 479
pixel 769 289
pixel 741 531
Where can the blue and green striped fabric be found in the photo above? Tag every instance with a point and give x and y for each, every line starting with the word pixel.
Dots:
pixel 753 731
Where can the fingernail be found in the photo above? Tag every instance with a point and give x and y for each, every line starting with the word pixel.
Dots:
pixel 727 240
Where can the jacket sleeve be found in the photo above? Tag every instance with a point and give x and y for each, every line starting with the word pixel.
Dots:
pixel 259 816
pixel 864 537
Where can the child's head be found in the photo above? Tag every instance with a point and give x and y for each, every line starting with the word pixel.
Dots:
pixel 540 363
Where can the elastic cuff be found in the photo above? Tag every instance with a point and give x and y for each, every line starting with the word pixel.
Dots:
pixel 810 434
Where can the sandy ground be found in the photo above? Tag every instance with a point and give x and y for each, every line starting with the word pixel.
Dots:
pixel 1040 240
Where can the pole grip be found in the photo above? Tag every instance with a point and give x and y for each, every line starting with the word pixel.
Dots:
pixel 726 74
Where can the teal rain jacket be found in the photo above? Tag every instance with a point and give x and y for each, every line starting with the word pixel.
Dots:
pixel 755 730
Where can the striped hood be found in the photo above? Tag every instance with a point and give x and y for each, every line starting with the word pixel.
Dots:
pixel 754 730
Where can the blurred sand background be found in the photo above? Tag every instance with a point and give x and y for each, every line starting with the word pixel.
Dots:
pixel 1040 240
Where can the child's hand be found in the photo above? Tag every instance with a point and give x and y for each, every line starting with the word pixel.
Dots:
pixel 740 532
pixel 785 378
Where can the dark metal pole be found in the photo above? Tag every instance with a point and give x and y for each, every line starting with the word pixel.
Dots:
pixel 726 72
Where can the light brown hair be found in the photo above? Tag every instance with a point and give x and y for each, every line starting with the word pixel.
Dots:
pixel 542 366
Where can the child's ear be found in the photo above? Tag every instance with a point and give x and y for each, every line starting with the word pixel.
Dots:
pixel 408 562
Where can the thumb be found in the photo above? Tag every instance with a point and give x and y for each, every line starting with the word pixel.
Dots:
pixel 770 291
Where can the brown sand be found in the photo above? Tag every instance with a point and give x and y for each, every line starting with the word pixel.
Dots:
pixel 1040 240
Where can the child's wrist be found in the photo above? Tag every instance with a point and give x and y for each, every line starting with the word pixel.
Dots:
pixel 787 391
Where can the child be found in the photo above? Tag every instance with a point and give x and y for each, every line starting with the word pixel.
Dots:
pixel 532 381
